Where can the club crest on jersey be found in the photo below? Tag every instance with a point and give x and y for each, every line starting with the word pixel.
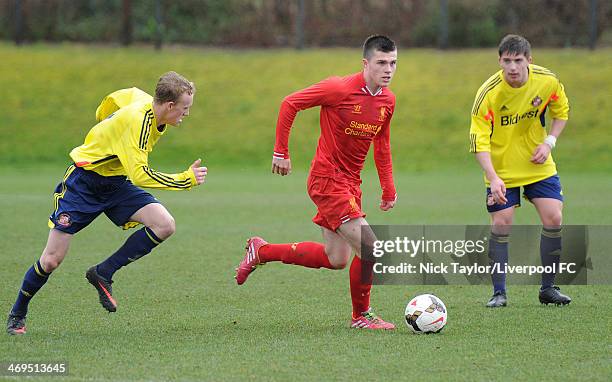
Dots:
pixel 382 116
pixel 537 101
pixel 356 109
pixel 64 220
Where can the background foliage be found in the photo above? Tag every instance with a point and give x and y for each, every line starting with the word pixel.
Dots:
pixel 264 23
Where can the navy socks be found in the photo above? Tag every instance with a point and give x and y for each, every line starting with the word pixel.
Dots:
pixel 136 246
pixel 498 254
pixel 33 280
pixel 550 253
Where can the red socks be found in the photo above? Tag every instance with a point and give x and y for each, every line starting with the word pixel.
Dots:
pixel 361 284
pixel 307 254
pixel 312 255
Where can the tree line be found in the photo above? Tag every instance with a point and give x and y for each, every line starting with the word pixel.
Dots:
pixel 305 23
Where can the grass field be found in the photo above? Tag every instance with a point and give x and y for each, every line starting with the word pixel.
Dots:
pixel 181 316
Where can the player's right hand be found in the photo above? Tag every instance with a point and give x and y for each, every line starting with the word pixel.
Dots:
pixel 198 171
pixel 386 205
pixel 498 190
pixel 281 166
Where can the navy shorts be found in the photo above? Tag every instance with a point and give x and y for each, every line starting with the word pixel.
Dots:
pixel 83 195
pixel 546 188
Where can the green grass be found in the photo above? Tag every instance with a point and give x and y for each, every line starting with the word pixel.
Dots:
pixel 181 317
pixel 51 99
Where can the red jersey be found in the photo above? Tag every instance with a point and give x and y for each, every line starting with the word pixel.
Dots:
pixel 351 118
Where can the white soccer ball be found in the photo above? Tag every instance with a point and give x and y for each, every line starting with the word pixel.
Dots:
pixel 426 314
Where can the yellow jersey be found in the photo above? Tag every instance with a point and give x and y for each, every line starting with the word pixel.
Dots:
pixel 120 143
pixel 510 123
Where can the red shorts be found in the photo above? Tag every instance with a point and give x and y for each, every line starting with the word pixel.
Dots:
pixel 337 201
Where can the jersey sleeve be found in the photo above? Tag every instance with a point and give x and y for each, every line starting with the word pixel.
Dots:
pixel 133 154
pixel 325 93
pixel 481 126
pixel 559 104
pixel 382 158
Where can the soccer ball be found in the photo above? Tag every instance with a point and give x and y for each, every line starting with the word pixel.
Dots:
pixel 426 314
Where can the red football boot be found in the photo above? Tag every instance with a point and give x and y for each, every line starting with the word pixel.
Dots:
pixel 251 259
pixel 369 320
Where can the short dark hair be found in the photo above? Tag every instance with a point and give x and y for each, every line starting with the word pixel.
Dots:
pixel 514 44
pixel 377 42
pixel 171 87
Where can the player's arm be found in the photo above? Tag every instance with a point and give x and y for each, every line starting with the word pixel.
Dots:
pixel 481 129
pixel 384 165
pixel 497 185
pixel 133 155
pixel 136 165
pixel 559 111
pixel 325 92
pixel 542 151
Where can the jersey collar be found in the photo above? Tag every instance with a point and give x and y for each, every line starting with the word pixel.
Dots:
pixel 156 130
pixel 366 90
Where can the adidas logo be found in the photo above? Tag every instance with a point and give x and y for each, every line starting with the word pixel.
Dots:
pixel 504 108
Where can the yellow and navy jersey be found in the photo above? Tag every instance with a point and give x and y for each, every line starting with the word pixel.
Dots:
pixel 121 142
pixel 510 123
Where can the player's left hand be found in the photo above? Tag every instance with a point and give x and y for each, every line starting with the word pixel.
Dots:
pixel 386 205
pixel 281 166
pixel 199 171
pixel 540 154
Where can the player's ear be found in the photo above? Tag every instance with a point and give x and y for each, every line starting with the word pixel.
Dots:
pixel 530 60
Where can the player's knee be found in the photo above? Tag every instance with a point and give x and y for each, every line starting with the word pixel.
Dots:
pixel 50 261
pixel 553 220
pixel 338 263
pixel 338 257
pixel 169 227
pixel 165 227
pixel 502 220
